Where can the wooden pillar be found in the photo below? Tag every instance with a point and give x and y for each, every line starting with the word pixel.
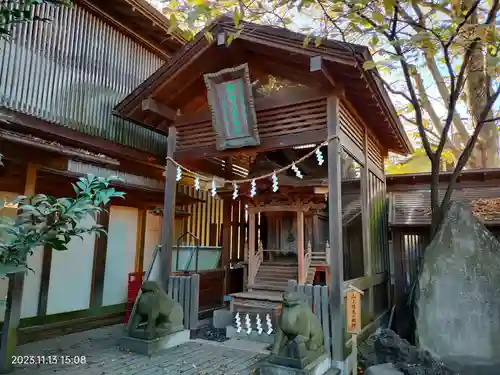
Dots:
pixel 251 244
pixel 243 230
pixel 234 231
pixel 335 232
pixel 99 267
pixel 168 210
pixel 315 233
pixel 140 240
pixel 300 246
pixel 226 241
pixel 14 297
pixel 365 211
pixel 251 233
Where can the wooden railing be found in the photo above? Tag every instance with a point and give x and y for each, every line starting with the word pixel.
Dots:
pixel 307 262
pixel 321 257
pixel 254 261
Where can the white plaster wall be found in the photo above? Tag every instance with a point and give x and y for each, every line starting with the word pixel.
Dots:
pixel 32 281
pixel 151 238
pixel 71 275
pixel 120 256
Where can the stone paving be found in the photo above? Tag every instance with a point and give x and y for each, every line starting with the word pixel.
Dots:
pixel 103 357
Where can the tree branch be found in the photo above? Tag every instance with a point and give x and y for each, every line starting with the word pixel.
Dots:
pixel 437 76
pixel 468 148
pixel 494 119
pixel 436 121
pixel 465 20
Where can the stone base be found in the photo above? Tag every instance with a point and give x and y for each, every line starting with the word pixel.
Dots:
pixel 222 318
pixel 319 367
pixel 384 369
pixel 149 347
pixel 232 333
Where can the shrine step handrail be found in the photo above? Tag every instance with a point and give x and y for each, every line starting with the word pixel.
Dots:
pixel 307 262
pixel 254 262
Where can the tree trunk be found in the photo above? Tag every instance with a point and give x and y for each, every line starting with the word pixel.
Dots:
pixel 476 91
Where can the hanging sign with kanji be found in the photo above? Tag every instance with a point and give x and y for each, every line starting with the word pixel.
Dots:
pixel 353 314
pixel 233 113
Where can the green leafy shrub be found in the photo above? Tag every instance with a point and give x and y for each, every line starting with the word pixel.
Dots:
pixel 14 12
pixel 44 220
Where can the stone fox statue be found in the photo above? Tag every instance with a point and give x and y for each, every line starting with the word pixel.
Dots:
pixel 298 324
pixel 162 314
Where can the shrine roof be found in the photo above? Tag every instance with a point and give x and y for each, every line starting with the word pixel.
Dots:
pixel 179 88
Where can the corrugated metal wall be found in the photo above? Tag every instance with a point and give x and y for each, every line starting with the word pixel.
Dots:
pixel 73 71
pixel 408 246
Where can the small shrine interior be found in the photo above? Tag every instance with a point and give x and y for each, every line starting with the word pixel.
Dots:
pixel 292 138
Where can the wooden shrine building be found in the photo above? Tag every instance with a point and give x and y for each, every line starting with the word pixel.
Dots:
pixel 239 110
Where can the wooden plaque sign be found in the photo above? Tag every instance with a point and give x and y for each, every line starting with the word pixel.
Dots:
pixel 233 112
pixel 353 316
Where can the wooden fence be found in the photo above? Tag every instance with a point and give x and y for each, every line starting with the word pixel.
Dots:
pixel 318 299
pixel 185 290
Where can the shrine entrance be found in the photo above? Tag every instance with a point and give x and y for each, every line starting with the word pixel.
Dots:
pixel 292 140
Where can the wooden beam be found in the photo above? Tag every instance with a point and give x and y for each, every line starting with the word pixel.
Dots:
pixel 247 35
pixel 140 240
pixel 267 144
pixel 168 211
pixel 365 224
pixel 300 246
pixel 234 230
pixel 40 145
pixel 43 296
pixel 336 260
pixel 226 241
pixel 152 106
pixel 221 39
pixel 99 268
pixel 227 203
pixel 33 156
pixel 18 121
pixel 243 229
pixel 316 232
pixel 317 64
pixel 252 241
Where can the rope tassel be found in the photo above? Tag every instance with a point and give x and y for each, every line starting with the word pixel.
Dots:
pixel 253 181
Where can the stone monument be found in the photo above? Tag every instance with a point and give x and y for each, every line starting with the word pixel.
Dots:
pixel 298 346
pixel 156 323
pixel 458 305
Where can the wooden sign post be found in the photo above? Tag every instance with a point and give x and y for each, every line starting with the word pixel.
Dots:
pixel 353 319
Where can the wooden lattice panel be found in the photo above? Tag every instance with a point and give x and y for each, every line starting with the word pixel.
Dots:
pixel 292 119
pixel 351 126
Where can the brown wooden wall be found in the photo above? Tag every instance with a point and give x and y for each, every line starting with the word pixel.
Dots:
pixel 211 290
pixel 354 129
pixel 300 118
pixel 361 143
pixel 205 220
